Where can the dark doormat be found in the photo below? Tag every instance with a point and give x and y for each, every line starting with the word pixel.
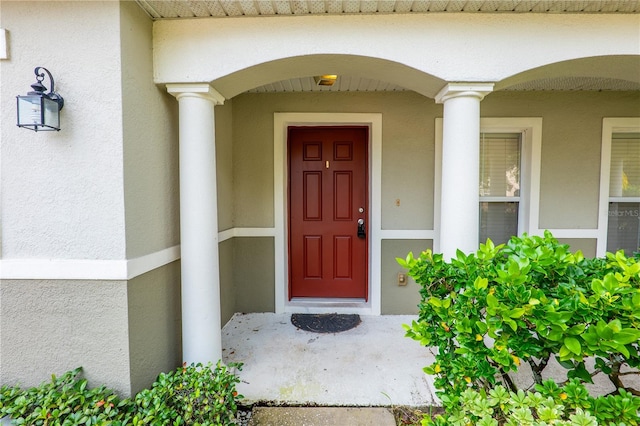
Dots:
pixel 325 323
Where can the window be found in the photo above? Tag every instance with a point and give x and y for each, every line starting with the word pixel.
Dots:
pixel 500 156
pixel 623 230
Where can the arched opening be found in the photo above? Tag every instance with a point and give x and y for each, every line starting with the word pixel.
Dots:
pixel 614 73
pixel 343 65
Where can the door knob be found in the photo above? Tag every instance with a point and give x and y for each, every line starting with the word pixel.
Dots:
pixel 361 232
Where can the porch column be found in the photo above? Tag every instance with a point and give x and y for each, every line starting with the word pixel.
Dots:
pixel 201 324
pixel 459 204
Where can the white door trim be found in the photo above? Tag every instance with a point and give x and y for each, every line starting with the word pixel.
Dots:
pixel 281 122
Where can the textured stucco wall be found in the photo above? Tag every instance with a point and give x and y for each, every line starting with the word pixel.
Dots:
pixel 62 192
pixel 253 260
pixel 104 188
pixel 399 299
pixel 246 276
pixel 407 151
pixel 224 163
pixel 572 129
pixel 150 140
pixel 154 324
pixel 571 138
pixel 227 285
pixel 586 245
pixel 571 143
pixel 55 326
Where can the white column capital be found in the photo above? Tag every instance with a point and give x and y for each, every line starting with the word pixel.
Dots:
pixel 200 90
pixel 455 90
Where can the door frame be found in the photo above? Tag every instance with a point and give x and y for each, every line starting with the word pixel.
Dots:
pixel 280 170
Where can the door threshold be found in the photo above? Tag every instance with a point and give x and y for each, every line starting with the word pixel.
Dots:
pixel 309 305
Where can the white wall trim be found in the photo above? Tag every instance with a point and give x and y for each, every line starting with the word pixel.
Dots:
pixel 572 233
pixel 107 270
pixel 84 269
pixel 3 44
pixel 407 234
pixel 609 127
pixel 281 122
pixel 142 265
pixel 245 232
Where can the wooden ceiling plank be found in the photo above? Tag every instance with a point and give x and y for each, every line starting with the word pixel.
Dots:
pixel 283 7
pixel 455 6
pixel 249 8
pixel 317 6
pixel 198 8
pixel 403 6
pixel 370 6
pixel 266 8
pixel 299 7
pixel 420 6
pixel 215 8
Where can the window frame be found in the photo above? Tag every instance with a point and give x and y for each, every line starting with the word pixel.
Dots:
pixel 610 125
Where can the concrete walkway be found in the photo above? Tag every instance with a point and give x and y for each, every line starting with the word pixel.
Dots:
pixel 321 416
pixel 370 365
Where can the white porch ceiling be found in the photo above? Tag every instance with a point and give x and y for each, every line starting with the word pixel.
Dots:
pixel 359 84
pixel 163 9
pixel 344 83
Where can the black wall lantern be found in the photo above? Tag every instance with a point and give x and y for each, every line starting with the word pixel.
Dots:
pixel 38 110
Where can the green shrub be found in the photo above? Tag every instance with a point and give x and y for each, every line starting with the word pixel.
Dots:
pixel 525 301
pixel 549 405
pixel 65 400
pixel 190 395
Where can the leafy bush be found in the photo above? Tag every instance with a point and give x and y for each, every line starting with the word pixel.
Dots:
pixel 65 400
pixel 525 301
pixel 549 405
pixel 190 395
pixel 195 394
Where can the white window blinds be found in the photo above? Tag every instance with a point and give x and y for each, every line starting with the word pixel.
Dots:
pixel 625 165
pixel 499 185
pixel 623 232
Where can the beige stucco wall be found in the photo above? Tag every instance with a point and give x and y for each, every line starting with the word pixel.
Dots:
pixel 586 245
pixel 225 189
pixel 570 170
pixel 246 276
pixel 122 333
pixel 224 164
pixel 253 260
pixel 154 318
pixel 104 188
pixel 54 326
pixel 150 142
pixel 571 140
pixel 227 285
pixel 399 299
pixel 58 201
pixel 407 151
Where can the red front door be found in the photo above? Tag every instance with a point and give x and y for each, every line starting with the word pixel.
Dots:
pixel 328 220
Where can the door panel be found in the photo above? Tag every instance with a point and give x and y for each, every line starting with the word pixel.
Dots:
pixel 327 188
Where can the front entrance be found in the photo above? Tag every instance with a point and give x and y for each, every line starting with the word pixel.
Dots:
pixel 328 212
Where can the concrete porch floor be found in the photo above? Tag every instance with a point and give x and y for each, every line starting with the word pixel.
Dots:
pixel 370 365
